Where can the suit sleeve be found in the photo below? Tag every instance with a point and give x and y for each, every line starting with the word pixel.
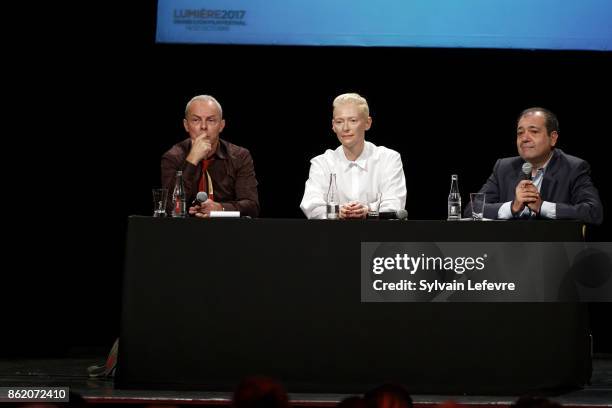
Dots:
pixel 585 203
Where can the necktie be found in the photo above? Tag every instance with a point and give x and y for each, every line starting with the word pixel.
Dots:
pixel 205 181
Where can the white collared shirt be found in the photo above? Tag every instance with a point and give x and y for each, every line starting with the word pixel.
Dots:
pixel 376 170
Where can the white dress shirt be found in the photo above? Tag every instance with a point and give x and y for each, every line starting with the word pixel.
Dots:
pixel 376 170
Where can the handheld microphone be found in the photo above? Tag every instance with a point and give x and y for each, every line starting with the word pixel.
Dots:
pixel 200 198
pixel 526 169
pixel 393 215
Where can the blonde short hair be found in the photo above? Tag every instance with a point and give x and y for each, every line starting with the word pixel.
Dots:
pixel 353 98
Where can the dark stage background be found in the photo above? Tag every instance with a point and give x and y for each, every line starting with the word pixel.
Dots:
pixel 103 102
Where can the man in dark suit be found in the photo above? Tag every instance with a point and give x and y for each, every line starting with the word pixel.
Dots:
pixel 559 186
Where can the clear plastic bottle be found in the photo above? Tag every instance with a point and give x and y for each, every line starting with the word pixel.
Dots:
pixel 333 207
pixel 179 199
pixel 454 200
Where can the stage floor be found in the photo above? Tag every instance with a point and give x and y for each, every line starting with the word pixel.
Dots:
pixel 71 372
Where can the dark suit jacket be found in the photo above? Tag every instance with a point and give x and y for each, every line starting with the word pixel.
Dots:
pixel 232 174
pixel 567 183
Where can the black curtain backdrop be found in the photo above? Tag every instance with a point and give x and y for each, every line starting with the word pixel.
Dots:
pixel 104 102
